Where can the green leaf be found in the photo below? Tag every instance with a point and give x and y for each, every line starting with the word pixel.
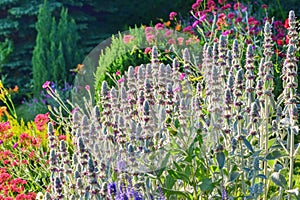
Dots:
pixel 176 192
pixel 234 176
pixel 278 179
pixel 169 182
pixel 177 123
pixel 248 145
pixel 261 176
pixel 206 185
pixel 274 155
pixel 221 159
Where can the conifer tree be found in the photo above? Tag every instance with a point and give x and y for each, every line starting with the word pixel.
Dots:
pixel 40 60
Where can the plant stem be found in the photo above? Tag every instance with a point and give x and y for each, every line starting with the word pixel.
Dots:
pixel 266 135
pixel 291 157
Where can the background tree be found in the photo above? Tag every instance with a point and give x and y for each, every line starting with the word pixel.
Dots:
pixel 56 51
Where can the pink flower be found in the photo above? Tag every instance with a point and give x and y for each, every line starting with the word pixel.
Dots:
pixel 237 20
pixel 188 29
pixel 195 24
pixel 121 80
pixel 148 29
pixel 172 41
pixel 87 87
pixel 128 38
pixel 169 33
pixel 118 73
pixel 46 84
pixel 180 40
pixel 195 6
pixel 159 26
pixel 227 32
pixel 177 89
pixel 41 120
pixel 202 17
pixel 148 50
pixel 221 2
pixel 225 7
pixel 172 15
pixel 75 110
pixel 231 15
pixel 62 137
pixel 150 38
pixel 182 75
pixel 4 126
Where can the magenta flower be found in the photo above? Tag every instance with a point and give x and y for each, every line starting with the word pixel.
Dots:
pixel 195 24
pixel 46 84
pixel 87 87
pixel 15 145
pixel 202 17
pixel 121 80
pixel 159 26
pixel 227 32
pixel 182 75
pixel 118 73
pixel 172 15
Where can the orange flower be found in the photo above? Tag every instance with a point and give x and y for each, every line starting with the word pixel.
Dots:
pixel 15 89
pixel 178 27
pixel 78 68
pixel 167 24
pixel 2 111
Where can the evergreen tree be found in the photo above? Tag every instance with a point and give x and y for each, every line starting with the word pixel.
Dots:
pixel 40 59
pixel 56 48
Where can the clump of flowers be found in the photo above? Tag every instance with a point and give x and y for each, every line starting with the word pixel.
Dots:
pixel 41 121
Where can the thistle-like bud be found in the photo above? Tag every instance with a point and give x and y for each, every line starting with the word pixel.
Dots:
pixel 50 129
pixel 230 81
pixel 146 108
pixel 254 111
pixel 131 76
pixel 85 121
pixel 235 49
pixel 63 146
pixel 53 158
pixel 104 89
pixel 239 79
pixel 91 166
pixel 123 94
pixel 97 112
pixel 154 59
pixel 47 196
pixel 74 159
pixel 80 145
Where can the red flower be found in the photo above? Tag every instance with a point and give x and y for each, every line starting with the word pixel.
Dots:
pixel 41 120
pixel 279 42
pixel 286 23
pixel 264 6
pixel 287 39
pixel 62 137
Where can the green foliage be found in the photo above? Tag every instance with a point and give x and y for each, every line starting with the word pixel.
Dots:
pixel 54 54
